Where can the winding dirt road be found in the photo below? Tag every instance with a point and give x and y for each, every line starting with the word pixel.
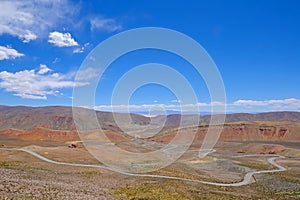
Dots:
pixel 246 180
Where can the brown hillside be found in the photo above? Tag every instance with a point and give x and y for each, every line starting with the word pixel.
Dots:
pixel 54 118
pixel 56 123
pixel 248 131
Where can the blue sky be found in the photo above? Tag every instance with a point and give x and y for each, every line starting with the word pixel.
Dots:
pixel 255 45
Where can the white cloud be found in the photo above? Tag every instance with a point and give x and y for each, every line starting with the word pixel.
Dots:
pixel 43 69
pixel 249 106
pixel 28 20
pixel 31 84
pixel 277 104
pixel 61 39
pixel 147 107
pixel 28 36
pixel 81 49
pixel 106 24
pixel 56 60
pixel 78 50
pixel 202 104
pixel 29 96
pixel 176 101
pixel 88 74
pixel 9 53
pixel 217 103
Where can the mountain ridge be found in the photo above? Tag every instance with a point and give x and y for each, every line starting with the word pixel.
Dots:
pixel 61 118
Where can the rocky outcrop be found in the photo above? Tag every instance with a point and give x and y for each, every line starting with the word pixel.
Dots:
pixel 262 149
pixel 262 132
pixel 251 131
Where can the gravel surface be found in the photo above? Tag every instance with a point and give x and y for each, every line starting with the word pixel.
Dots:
pixel 42 184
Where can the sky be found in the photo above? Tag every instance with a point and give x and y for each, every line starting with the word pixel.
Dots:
pixel 254 44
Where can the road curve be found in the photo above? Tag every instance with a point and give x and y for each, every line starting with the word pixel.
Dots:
pixel 246 180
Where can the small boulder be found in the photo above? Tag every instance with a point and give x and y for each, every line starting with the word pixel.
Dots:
pixel 72 146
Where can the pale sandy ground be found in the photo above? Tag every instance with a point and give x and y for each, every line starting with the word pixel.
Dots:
pixel 26 177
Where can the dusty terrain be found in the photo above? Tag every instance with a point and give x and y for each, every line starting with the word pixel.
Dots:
pixel 25 176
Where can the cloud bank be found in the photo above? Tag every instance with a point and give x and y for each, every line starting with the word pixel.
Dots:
pixel 249 106
pixel 9 53
pixel 106 24
pixel 30 20
pixel 36 84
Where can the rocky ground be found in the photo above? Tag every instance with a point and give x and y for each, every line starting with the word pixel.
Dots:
pixel 26 177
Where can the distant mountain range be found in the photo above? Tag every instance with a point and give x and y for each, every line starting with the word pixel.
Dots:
pixel 61 118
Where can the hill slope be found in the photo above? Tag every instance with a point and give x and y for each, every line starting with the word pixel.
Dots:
pixel 57 121
pixel 61 118
pixel 53 117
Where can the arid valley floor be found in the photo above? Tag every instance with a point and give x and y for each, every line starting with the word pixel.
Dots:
pixel 243 147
